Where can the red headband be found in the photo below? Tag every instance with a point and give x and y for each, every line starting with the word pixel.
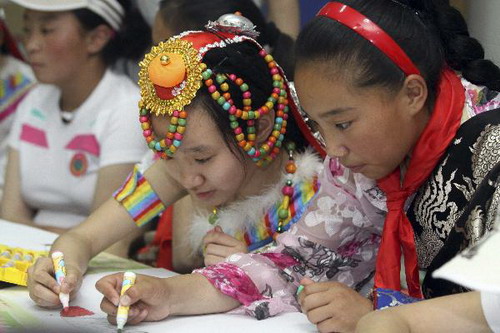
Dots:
pixel 367 29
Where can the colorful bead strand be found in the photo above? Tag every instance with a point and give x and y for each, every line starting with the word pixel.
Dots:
pixel 287 190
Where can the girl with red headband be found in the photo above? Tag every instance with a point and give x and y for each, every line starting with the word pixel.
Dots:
pixel 403 95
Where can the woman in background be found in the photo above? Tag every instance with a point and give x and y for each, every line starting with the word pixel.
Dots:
pixel 75 136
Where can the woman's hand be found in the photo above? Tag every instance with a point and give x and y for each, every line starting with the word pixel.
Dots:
pixel 332 306
pixel 148 298
pixel 218 246
pixel 43 287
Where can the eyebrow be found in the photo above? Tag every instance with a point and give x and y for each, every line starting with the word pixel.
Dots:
pixel 45 17
pixel 196 149
pixel 335 112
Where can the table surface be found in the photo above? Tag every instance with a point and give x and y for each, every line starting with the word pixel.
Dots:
pixel 18 312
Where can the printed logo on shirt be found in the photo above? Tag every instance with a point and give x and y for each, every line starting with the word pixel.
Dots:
pixel 34 135
pixel 78 164
pixel 38 114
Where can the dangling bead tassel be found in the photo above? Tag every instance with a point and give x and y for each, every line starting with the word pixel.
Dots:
pixel 213 217
pixel 284 211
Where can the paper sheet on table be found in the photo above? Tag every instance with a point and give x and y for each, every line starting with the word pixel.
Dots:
pixel 19 235
pixel 477 268
pixel 17 307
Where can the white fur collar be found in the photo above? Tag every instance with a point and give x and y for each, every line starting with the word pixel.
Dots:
pixel 248 212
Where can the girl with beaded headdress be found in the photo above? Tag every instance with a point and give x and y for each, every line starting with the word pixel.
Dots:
pixel 413 170
pixel 217 110
pixel 176 234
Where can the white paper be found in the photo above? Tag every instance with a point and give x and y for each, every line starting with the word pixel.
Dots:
pixel 20 235
pixel 18 303
pixel 478 269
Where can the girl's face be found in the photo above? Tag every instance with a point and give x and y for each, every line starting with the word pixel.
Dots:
pixel 56 45
pixel 368 129
pixel 203 164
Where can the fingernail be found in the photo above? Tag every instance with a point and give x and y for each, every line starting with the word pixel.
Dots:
pixel 218 229
pixel 125 300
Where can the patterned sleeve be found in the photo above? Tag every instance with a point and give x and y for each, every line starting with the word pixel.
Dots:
pixel 336 239
pixel 138 197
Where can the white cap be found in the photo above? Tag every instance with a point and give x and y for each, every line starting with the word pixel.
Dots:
pixel 111 11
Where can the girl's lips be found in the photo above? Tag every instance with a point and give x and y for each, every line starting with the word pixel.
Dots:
pixel 205 195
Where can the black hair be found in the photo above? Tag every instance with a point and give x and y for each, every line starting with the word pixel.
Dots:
pixel 243 60
pixel 183 15
pixel 431 32
pixel 130 42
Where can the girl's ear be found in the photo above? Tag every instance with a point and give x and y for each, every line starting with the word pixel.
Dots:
pixel 98 38
pixel 265 125
pixel 415 94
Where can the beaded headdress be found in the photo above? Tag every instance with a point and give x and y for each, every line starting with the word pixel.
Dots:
pixel 174 71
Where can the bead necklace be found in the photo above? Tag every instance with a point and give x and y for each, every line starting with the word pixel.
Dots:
pixel 287 190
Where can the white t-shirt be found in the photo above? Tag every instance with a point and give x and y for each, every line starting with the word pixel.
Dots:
pixel 16 78
pixel 59 162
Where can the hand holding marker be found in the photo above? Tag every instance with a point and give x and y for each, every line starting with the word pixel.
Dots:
pixel 122 314
pixel 60 272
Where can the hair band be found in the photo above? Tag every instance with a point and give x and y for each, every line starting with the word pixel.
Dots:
pixel 367 29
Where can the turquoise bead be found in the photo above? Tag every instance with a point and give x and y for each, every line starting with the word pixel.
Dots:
pixel 278 120
pixel 226 106
pixel 251 152
pixel 207 74
pixel 281 137
pixel 157 146
pixel 220 79
pixel 176 143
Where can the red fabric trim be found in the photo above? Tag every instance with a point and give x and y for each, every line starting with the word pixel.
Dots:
pixel 397 235
pixel 163 239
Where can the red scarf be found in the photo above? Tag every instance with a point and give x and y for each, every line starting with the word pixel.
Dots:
pixel 398 232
